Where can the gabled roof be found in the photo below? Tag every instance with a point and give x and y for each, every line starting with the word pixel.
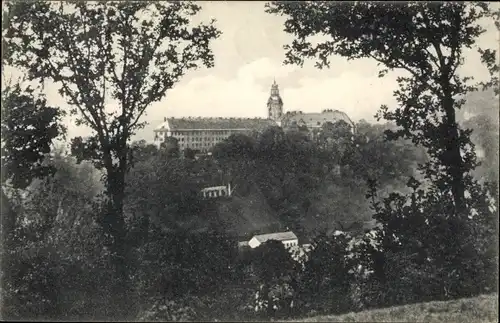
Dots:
pixel 278 236
pixel 314 118
pixel 215 123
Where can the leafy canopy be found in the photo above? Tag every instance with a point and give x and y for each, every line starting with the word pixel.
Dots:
pixel 424 39
pixel 98 53
pixel 29 127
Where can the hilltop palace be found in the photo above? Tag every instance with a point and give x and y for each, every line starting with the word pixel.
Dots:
pixel 201 134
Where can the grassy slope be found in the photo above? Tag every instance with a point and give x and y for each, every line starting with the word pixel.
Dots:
pixel 483 308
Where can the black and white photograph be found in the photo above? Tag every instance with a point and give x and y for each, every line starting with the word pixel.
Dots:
pixel 249 161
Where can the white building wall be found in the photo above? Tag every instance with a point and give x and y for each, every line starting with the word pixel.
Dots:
pixel 254 243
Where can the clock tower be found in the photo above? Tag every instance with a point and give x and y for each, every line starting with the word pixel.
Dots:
pixel 275 104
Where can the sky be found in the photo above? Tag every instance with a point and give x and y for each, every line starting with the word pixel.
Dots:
pixel 249 56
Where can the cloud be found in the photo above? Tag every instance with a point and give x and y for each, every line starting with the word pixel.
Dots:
pixel 249 55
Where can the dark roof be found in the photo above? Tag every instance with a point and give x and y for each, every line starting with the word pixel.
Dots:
pixel 278 236
pixel 216 123
pixel 314 118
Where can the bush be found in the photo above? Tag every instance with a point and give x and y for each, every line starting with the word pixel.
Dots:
pixel 167 310
pixel 325 281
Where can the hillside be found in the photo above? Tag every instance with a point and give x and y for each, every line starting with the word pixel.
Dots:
pixel 244 215
pixel 483 308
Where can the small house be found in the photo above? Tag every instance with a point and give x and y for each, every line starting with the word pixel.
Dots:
pixel 289 239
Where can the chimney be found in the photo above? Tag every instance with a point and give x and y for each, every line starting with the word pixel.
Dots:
pixel 164 119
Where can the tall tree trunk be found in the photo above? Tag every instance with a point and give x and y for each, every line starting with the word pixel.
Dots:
pixel 115 221
pixel 8 222
pixel 114 227
pixel 7 227
pixel 454 157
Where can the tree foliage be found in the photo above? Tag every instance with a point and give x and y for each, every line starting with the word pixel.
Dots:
pixel 98 54
pixel 426 40
pixel 433 241
pixel 171 146
pixel 57 261
pixel 320 181
pixel 274 268
pixel 29 128
pixel 326 271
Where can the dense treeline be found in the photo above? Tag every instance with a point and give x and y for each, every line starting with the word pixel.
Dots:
pixel 316 183
pixel 177 243
pixel 118 230
pixel 184 258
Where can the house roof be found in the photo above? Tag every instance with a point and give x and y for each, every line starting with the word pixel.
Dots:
pixel 278 236
pixel 315 118
pixel 215 123
pixel 213 188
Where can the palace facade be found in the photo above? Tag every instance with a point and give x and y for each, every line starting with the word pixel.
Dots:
pixel 202 134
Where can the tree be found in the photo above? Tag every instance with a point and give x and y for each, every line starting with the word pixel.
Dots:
pixel 128 53
pixel 426 41
pixel 29 128
pixel 274 268
pixel 141 151
pixel 189 153
pixel 485 136
pixel 171 146
pixel 326 274
pixel 447 226
pixel 335 135
pixel 235 158
pixel 235 146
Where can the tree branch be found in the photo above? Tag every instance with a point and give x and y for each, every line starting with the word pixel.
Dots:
pixel 72 96
pixel 144 67
pixel 72 61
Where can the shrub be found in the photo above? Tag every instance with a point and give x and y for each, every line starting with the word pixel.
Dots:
pixel 167 310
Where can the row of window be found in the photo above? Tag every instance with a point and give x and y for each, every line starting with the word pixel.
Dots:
pixel 198 133
pixel 157 138
pixel 214 193
pixel 203 139
pixel 290 244
pixel 198 145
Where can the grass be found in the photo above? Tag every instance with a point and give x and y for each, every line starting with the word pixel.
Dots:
pixel 483 308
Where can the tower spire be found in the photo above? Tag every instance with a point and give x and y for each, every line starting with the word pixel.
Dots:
pixel 275 103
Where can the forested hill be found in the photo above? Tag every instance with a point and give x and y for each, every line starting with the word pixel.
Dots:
pixel 281 179
pixel 247 214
